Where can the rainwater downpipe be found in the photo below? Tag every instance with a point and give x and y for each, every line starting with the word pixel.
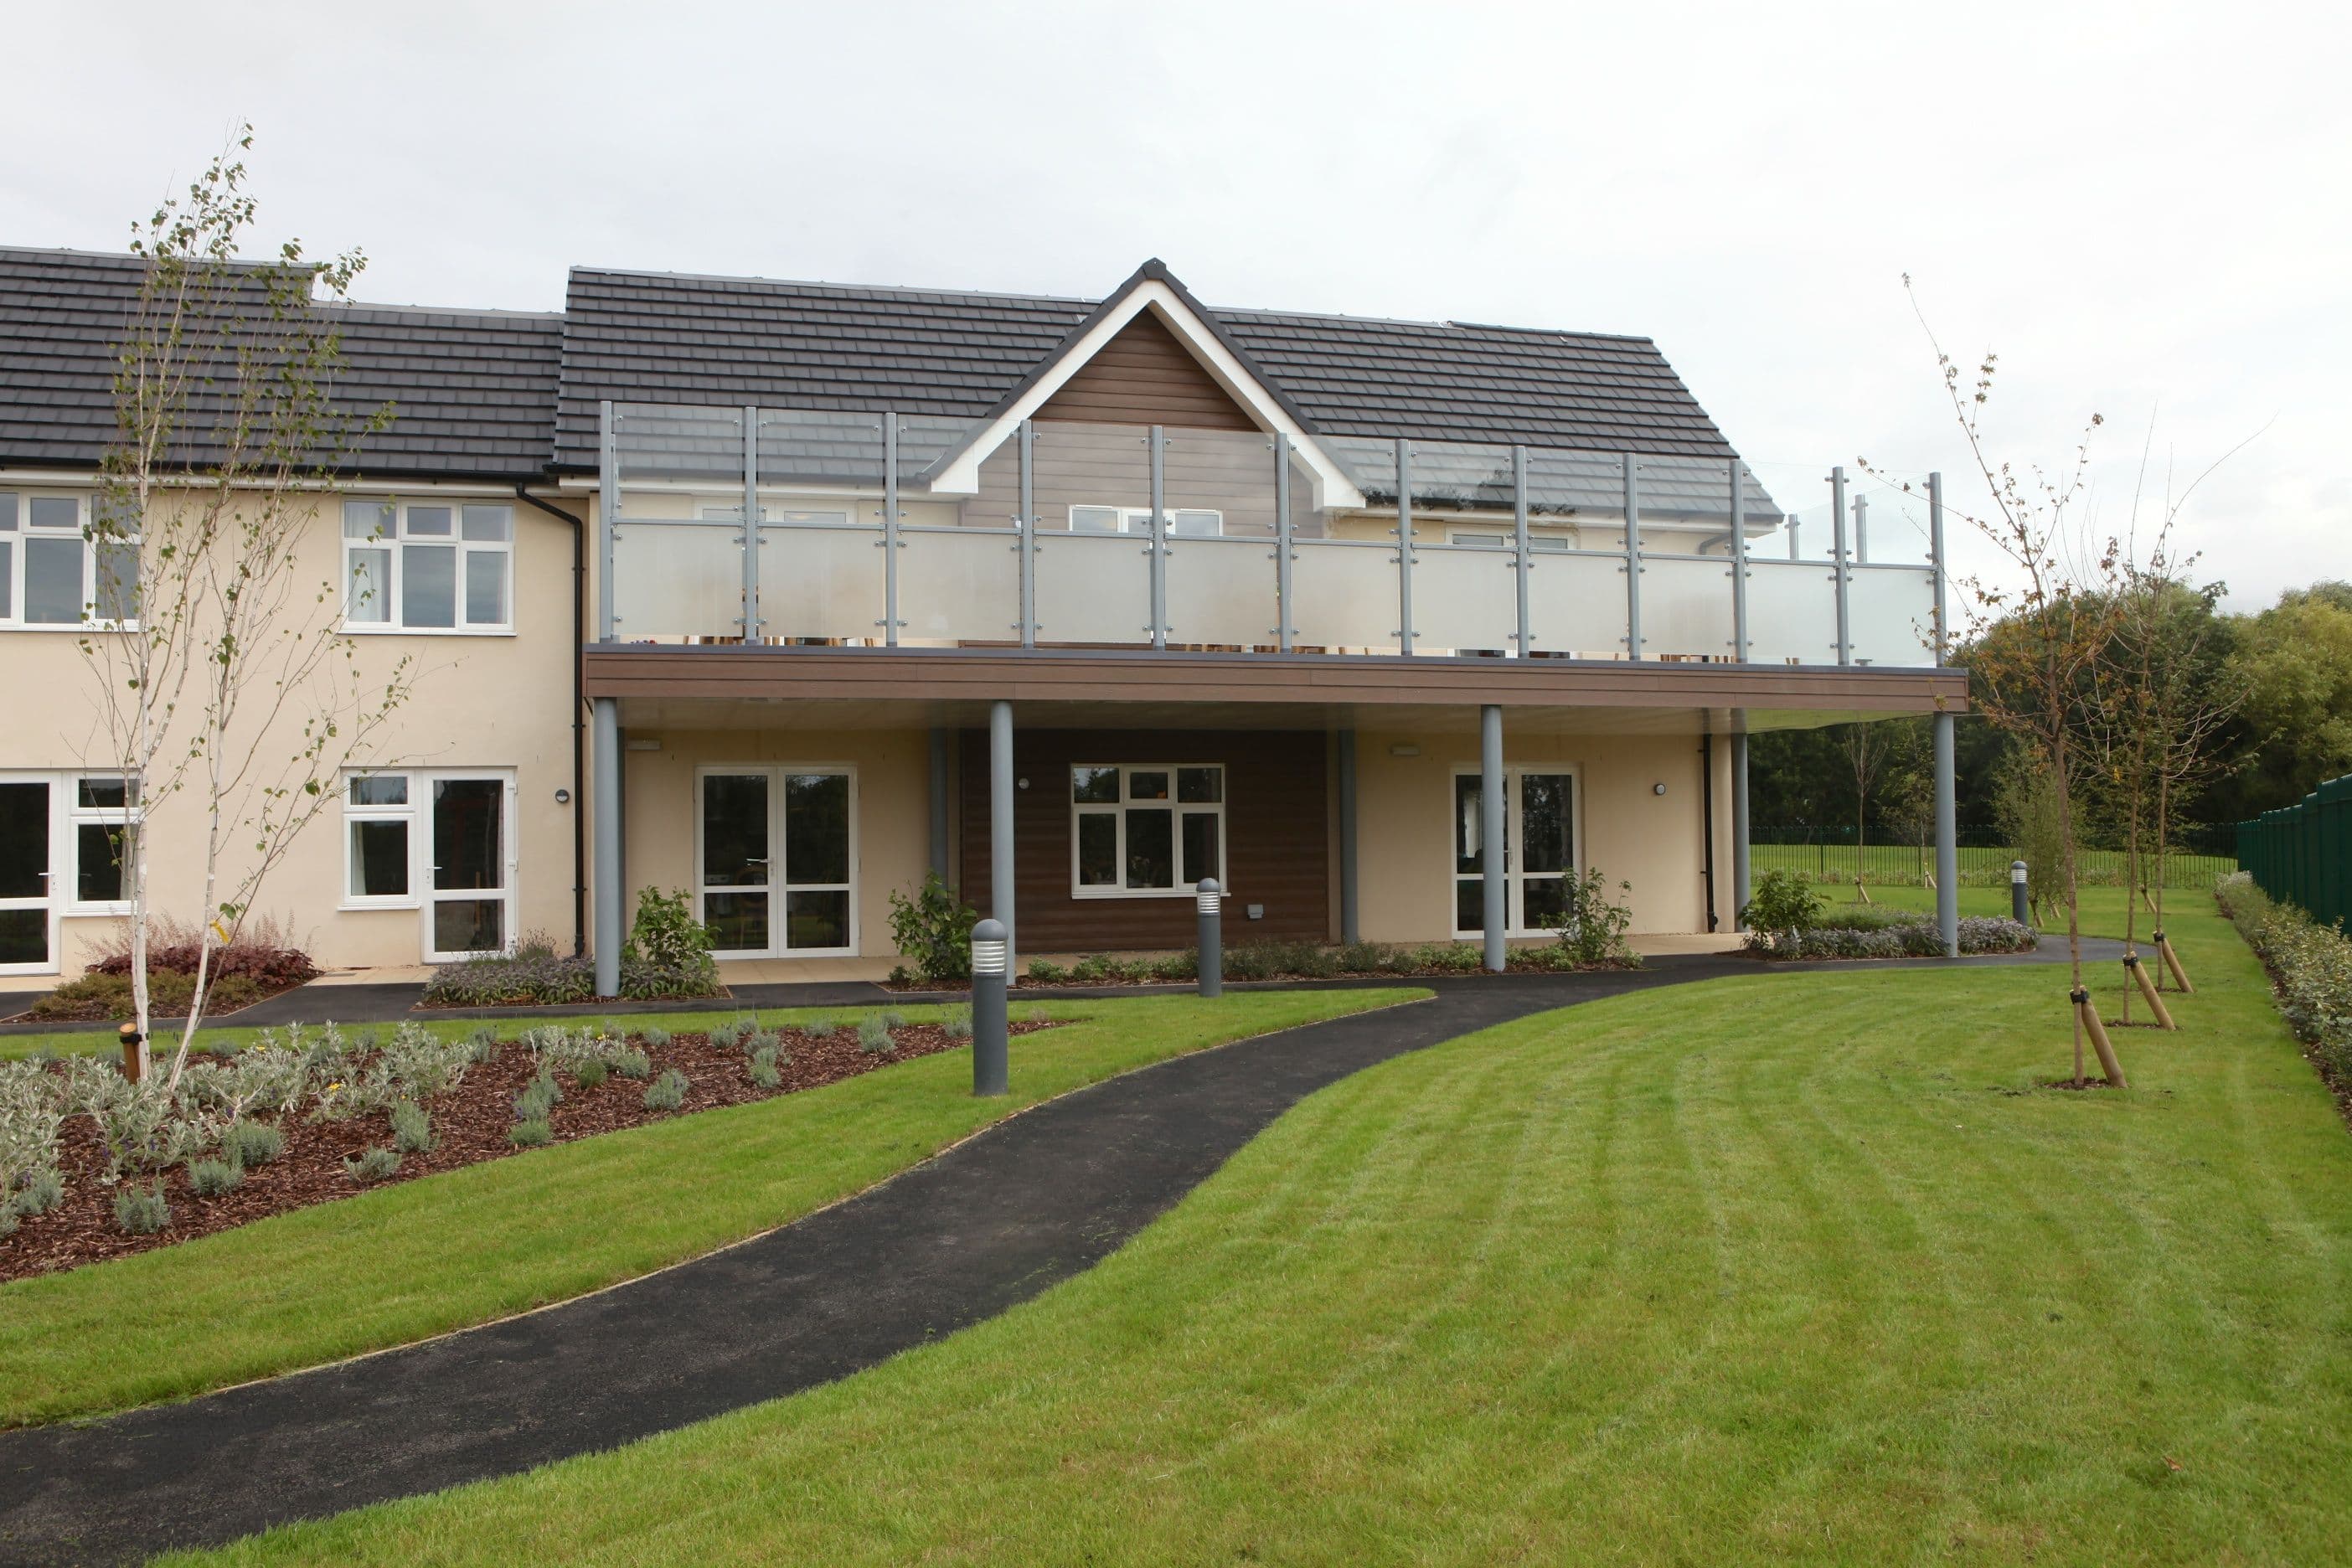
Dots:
pixel 579 717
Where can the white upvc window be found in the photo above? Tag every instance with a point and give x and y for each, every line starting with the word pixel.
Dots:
pixel 1183 521
pixel 379 822
pixel 97 810
pixel 1146 830
pixel 428 566
pixel 53 572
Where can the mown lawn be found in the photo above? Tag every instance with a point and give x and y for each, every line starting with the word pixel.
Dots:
pixel 1783 1267
pixel 396 1264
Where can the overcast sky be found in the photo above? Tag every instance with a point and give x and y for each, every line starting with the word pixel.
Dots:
pixel 2142 209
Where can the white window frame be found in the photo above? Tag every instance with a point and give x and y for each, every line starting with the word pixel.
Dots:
pixel 1138 519
pixel 394 543
pixel 418 811
pixel 77 817
pixel 1514 875
pixel 1118 810
pixel 780 883
pixel 16 537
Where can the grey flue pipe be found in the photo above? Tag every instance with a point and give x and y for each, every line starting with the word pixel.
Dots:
pixel 1492 873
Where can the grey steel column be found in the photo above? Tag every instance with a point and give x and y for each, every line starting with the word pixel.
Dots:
pixel 1839 575
pixel 1740 571
pixel 1494 878
pixel 1792 536
pixel 1941 634
pixel 890 622
pixel 1406 632
pixel 750 526
pixel 1947 853
pixel 1283 558
pixel 1633 557
pixel 1349 929
pixel 1000 820
pixel 1027 543
pixel 604 806
pixel 1159 537
pixel 608 516
pixel 1739 855
pixel 940 802
pixel 1522 564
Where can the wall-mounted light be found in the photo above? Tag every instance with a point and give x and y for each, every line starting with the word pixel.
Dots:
pixel 1021 783
pixel 637 745
pixel 563 798
pixel 1406 750
pixel 1657 789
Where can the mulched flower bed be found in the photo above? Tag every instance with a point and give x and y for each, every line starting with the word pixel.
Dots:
pixel 226 1002
pixel 469 1125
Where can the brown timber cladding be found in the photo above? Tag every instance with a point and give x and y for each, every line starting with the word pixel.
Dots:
pixel 1277 850
pixel 1144 376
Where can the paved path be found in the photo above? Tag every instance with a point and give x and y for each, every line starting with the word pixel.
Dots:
pixel 991 1223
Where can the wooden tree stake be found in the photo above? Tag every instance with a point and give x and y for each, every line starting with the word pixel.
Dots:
pixel 2088 1017
pixel 2146 984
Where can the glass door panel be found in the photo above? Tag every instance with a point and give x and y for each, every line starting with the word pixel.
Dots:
pixel 736 874
pixel 1469 856
pixel 1545 809
pixel 25 878
pixel 816 862
pixel 466 900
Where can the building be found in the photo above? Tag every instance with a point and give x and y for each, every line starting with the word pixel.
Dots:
pixel 786 594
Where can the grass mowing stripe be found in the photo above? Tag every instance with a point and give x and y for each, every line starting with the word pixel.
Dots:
pixel 398 1264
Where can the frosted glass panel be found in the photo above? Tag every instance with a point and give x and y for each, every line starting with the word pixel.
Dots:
pixel 1791 613
pixel 1466 598
pixel 818 582
pixel 1220 592
pixel 1347 595
pixel 1093 588
pixel 1685 606
pixel 677 581
pixel 1577 603
pixel 959 585
pixel 1890 615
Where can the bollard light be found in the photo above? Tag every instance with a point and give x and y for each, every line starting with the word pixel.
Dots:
pixel 1211 902
pixel 2016 910
pixel 988 1025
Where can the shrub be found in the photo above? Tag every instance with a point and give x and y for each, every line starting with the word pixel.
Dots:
pixel 763 1040
pixel 222 1047
pixel 142 1211
pixel 42 1191
pixel 874 1034
pixel 168 996
pixel 371 1164
pixel 264 953
pixel 633 1063
pixel 1592 926
pixel 820 1028
pixel 666 1092
pixel 729 1035
pixel 1044 972
pixel 412 1130
pixel 2310 963
pixel 934 929
pixel 531 1134
pixel 655 1038
pixel 211 1178
pixel 535 1102
pixel 31 1110
pixel 9 1221
pixel 249 1143
pixel 590 1073
pixel 893 1019
pixel 1913 938
pixel 763 1069
pixel 957 1024
pixel 484 1043
pixel 1781 901
pixel 550 981
pixel 665 936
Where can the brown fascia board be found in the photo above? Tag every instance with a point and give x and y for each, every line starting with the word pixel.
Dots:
pixel 1143 676
pixel 1153 271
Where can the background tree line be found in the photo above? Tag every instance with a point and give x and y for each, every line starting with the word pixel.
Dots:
pixel 2288 671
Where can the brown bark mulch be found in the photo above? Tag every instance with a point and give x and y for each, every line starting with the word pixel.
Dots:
pixel 469 1125
pixel 92 1012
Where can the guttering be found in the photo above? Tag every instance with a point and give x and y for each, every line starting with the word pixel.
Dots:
pixel 578 720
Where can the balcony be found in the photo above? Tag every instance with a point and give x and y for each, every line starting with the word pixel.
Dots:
pixel 908 530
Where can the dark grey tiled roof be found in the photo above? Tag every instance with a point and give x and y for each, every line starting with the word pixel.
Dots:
pixel 665 338
pixel 471 390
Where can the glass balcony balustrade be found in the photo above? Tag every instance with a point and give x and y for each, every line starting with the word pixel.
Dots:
pixel 909 529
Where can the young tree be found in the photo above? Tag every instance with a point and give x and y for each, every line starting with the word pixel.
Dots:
pixel 222 678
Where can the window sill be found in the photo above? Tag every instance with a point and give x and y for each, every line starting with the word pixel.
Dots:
pixel 358 907
pixel 99 911
pixel 78 628
pixel 1135 893
pixel 372 631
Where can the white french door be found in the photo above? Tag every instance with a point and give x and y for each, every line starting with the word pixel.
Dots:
pixel 776 860
pixel 469 873
pixel 29 891
pixel 1540 838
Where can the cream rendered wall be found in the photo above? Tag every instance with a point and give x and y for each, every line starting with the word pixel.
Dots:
pixel 891 799
pixel 482 701
pixel 1405 823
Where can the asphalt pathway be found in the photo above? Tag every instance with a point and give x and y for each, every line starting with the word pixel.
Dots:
pixel 990 1224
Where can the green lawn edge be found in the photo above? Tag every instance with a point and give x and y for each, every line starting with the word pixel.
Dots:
pixel 394 1265
pixel 1798 1266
